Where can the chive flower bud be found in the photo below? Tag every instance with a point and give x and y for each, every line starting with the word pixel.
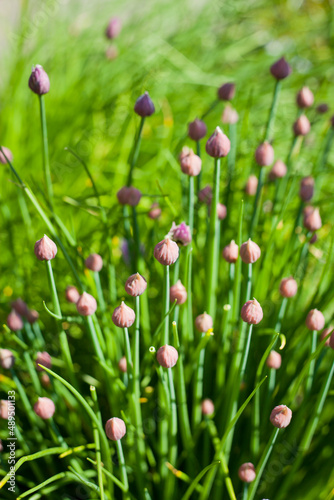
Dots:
pixel 251 312
pixel 231 252
pixel 218 145
pixel 123 316
pixel 94 262
pixel 247 472
pixel 204 322
pixel 178 292
pixel 115 428
pixel 135 285
pixel 281 416
pixel 288 287
pixel 144 106
pixel 167 356
pixel 280 69
pixel 39 81
pixel 315 320
pixel 44 408
pixel 45 249
pixel 226 92
pixel 250 252
pixel 166 252
pixel 86 305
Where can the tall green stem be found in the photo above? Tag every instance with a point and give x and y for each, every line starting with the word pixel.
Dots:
pixel 190 260
pixel 46 161
pixel 135 151
pixel 238 269
pixel 309 380
pixel 172 455
pixel 97 443
pixel 124 475
pixel 165 337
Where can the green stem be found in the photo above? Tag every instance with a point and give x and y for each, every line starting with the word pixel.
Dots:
pixel 135 151
pixel 310 376
pixel 172 454
pixel 97 442
pixel 255 214
pixel 198 389
pixel 46 160
pixel 124 474
pixel 94 337
pixel 272 112
pixel 199 177
pixel 281 314
pixel 128 358
pixel 165 337
pixel 238 269
pixel 99 292
pixel 246 352
pixel 190 260
pixel 249 282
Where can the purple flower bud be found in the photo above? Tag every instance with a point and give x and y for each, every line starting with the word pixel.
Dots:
pixel 280 69
pixel 197 130
pixel 166 252
pixel 208 407
pixel 281 416
pixel 45 249
pixel 135 285
pixel 178 292
pixel 264 154
pixel 226 92
pixel 251 185
pixel 155 211
pixel 315 320
pixel 94 262
pixel 32 316
pixel 43 358
pixel 39 81
pixel 123 316
pixel 180 234
pixel 114 28
pixel 247 472
pixel 251 312
pixel 20 307
pixel 72 294
pixel 218 145
pixel 306 188
pixel 14 321
pixel 230 115
pixel 305 98
pixel 86 305
pixel 144 106
pixel 322 108
pixel 203 322
pixel 301 126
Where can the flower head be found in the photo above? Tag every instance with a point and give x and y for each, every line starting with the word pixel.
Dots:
pixel 123 316
pixel 250 252
pixel 43 358
pixel 247 472
pixel 39 81
pixel 251 312
pixel 114 28
pixel 167 356
pixel 44 408
pixel 315 320
pixel 274 360
pixel 231 252
pixel 218 145
pixel 191 164
pixel 115 428
pixel 264 154
pixel 8 154
pixel 204 322
pixel 280 69
pixel 144 105
pixel 288 287
pixel 94 262
pixel 251 186
pixel 197 130
pixel 178 292
pixel 135 285
pixel 180 234
pixel 305 98
pixel 86 304
pixel 226 92
pixel 281 416
pixel 7 359
pixel 166 252
pixel 45 249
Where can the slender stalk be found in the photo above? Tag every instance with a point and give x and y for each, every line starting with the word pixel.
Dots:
pixel 245 491
pixel 281 314
pixel 95 339
pixel 97 443
pixel 172 454
pixel 212 275
pixel 262 463
pixel 309 380
pixel 246 352
pixel 256 209
pixel 135 151
pixel 165 337
pixel 128 357
pixel 136 242
pixel 122 465
pixel 199 177
pixel 223 350
pixel 198 389
pixel 249 282
pixel 46 161
pixel 238 268
pixel 99 292
pixel 231 160
pixel 190 260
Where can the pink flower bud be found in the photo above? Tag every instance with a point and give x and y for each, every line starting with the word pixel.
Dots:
pixel 45 249
pixel 178 293
pixel 288 287
pixel 231 252
pixel 274 360
pixel 204 322
pixel 129 196
pixel 32 316
pixel 251 186
pixel 230 115
pixel 322 108
pixel 218 145
pixel 180 234
pixel 306 188
pixel 8 154
pixel 167 356
pixel 5 407
pixel 280 69
pixel 191 164
pixel 264 154
pixel 166 252
pixel 281 416
pixel 43 358
pixel 94 262
pixel 221 211
pixel 315 320
pixel 115 428
pixel 86 304
pixel 301 126
pixel 14 321
pixel 20 307
pixel 305 98
pixel 144 106
pixel 46 380
pixel 312 220
pixel 326 332
pixel 205 195
pixel 250 252
pixel 123 316
pixel 7 359
pixel 122 364
pixel 72 294
pixel 251 312
pixel 114 28
pixel 226 92
pixel 278 170
pixel 44 408
pixel 39 81
pixel 247 472
pixel 135 285
pixel 208 408
pixel 155 211
pixel 197 130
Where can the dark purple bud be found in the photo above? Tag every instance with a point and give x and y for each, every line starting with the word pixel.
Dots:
pixel 114 28
pixel 144 105
pixel 39 81
pixel 218 145
pixel 197 130
pixel 280 69
pixel 226 92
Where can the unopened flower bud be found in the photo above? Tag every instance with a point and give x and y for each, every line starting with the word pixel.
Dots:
pixel 155 211
pixel 167 356
pixel 301 126
pixel 250 252
pixel 180 234
pixel 251 186
pixel 7 154
pixel 94 262
pixel 322 108
pixel 14 321
pixel 44 408
pixel 197 130
pixel 315 320
pixel 230 115
pixel 251 312
pixel 208 408
pixel 7 359
pixel 281 416
pixel 278 170
pixel 191 164
pixel 39 81
pixel 274 360
pixel 218 145
pixel 178 292
pixel 123 316
pixel 205 195
pixel 20 307
pixel 326 332
pixel 129 196
pixel 86 304
pixel 72 294
pixel 226 92
pixel 46 380
pixel 32 316
pixel 264 154
pixel 122 364
pixel 247 472
pixel 144 106
pixel 280 69
pixel 231 252
pixel 115 428
pixel 312 220
pixel 5 406
pixel 135 285
pixel 204 322
pixel 288 287
pixel 166 252
pixel 43 358
pixel 45 249
pixel 305 98
pixel 221 211
pixel 114 28
pixel 306 188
